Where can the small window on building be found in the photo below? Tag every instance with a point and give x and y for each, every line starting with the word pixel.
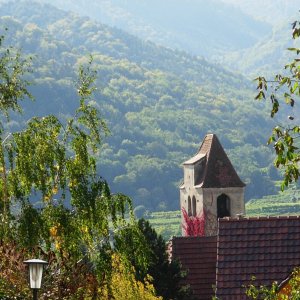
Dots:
pixel 223 206
pixel 189 206
pixel 194 207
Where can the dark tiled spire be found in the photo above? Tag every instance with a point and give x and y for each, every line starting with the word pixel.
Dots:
pixel 218 171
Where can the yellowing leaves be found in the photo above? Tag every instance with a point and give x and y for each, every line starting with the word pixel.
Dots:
pixel 124 286
pixel 84 229
pixel 53 231
pixel 73 183
pixel 47 198
pixel 54 190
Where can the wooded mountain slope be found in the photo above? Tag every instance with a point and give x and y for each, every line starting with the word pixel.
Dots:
pixel 267 57
pixel 271 11
pixel 200 27
pixel 159 103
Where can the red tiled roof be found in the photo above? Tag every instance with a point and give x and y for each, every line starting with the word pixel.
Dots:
pixel 267 248
pixel 198 256
pixel 218 171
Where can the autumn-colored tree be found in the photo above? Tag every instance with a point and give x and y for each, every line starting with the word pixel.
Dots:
pixel 13 279
pixel 65 279
pixel 125 286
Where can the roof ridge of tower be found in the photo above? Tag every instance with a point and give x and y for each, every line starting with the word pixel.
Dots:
pixel 206 144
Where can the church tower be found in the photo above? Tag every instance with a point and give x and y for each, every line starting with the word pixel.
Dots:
pixel 211 187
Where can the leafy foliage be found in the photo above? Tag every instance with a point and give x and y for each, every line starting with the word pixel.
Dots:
pixel 126 287
pixel 287 290
pixel 284 137
pixel 263 292
pixel 13 85
pixel 66 279
pixel 166 274
pixel 52 159
pixel 13 281
pixel 55 205
pixel 194 225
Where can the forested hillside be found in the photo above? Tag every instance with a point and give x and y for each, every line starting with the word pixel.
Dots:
pixel 271 11
pixel 245 36
pixel 200 27
pixel 268 56
pixel 159 103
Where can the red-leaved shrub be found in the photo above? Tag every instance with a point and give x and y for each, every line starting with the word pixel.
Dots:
pixel 193 225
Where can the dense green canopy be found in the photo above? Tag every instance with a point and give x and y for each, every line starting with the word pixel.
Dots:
pixel 158 103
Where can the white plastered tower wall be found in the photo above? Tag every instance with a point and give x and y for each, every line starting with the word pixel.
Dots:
pixel 188 189
pixel 210 197
pixel 209 178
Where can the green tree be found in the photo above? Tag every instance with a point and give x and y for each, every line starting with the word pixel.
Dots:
pixel 51 196
pixel 13 89
pixel 13 85
pixel 166 274
pixel 285 88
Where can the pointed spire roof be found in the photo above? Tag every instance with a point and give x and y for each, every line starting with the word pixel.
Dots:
pixel 217 170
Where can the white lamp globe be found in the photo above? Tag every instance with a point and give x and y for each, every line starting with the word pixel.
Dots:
pixel 35 272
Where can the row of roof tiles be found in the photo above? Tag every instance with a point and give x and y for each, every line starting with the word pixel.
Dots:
pixel 265 247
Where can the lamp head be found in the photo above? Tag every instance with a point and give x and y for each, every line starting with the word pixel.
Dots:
pixel 36 272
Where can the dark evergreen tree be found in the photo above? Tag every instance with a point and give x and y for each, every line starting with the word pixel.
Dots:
pixel 166 274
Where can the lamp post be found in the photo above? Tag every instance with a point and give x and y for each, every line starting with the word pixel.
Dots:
pixel 36 272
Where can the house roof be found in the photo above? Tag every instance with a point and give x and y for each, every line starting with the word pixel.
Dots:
pixel 198 256
pixel 266 247
pixel 218 171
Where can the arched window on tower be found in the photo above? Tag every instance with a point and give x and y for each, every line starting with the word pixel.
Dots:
pixel 223 206
pixel 189 206
pixel 194 207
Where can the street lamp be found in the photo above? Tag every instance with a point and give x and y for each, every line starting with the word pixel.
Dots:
pixel 36 272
